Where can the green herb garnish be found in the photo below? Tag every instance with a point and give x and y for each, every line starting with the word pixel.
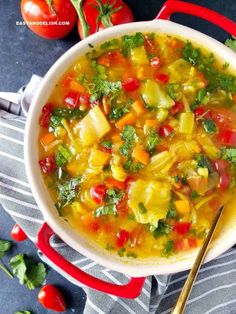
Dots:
pixel 162 229
pixel 209 126
pixel 168 248
pixel 132 166
pixel 131 41
pixel 142 208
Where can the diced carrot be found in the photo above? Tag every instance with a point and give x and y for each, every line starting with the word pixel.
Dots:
pixel 113 183
pixel 116 138
pixel 138 107
pixel 104 60
pixel 175 43
pixel 151 123
pixel 129 118
pixel 192 242
pixel 67 80
pixel 141 155
pixel 47 138
pixel 234 97
pixel 77 87
pixel 141 73
pixel 90 222
pixel 105 106
pixel 72 168
pixel 198 184
pixel 182 206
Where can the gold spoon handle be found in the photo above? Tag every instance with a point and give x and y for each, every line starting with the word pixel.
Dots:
pixel 183 297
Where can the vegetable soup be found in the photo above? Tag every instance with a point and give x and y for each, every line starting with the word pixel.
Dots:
pixel 138 144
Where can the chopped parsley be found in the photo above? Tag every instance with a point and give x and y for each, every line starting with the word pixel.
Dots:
pixel 131 41
pixel 168 248
pixel 121 252
pixel 142 208
pixel 171 211
pixel 55 121
pixel 229 154
pixel 101 87
pixel 204 162
pixel 110 45
pixel 67 191
pixel 113 196
pixel 116 112
pixel 106 144
pixel 231 43
pixel 163 229
pixel 194 194
pixel 4 247
pixel 132 166
pixel 129 135
pixel 69 114
pixel 152 140
pixel 63 155
pixel 209 126
pixel 109 209
pixel 174 90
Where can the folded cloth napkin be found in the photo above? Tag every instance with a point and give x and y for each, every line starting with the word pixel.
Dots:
pixel 214 290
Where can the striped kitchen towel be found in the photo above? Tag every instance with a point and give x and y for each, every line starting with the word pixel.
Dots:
pixel 215 288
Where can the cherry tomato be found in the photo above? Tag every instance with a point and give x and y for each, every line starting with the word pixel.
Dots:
pixel 72 100
pixel 130 84
pixel 177 108
pixel 162 77
pixel 113 183
pixel 51 298
pixel 182 227
pixel 47 164
pixel 122 237
pixel 98 193
pixel 199 112
pixel 223 117
pixel 51 23
pixel 223 168
pixel 227 137
pixel 155 62
pixel 101 14
pixel 165 130
pixel 45 116
pixel 18 234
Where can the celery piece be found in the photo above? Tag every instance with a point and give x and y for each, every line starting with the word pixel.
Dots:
pixel 186 122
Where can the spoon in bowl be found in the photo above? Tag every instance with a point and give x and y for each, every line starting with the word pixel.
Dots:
pixel 187 288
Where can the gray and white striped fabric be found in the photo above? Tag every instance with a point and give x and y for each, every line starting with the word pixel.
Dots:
pixel 214 291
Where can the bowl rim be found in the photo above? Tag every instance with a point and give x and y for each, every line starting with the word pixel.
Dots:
pixel 34 176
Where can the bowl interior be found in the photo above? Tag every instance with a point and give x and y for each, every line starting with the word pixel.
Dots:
pixel 226 232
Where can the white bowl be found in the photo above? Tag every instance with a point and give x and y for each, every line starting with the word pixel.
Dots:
pixel 226 235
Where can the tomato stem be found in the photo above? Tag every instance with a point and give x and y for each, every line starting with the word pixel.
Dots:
pixel 78 5
pixel 105 12
pixel 2 267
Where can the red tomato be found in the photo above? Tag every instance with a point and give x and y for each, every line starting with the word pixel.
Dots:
pixel 227 137
pixel 84 99
pixel 98 193
pixel 199 112
pixel 155 62
pixel 51 23
pixel 165 130
pixel 113 183
pixel 177 108
pixel 128 182
pixel 224 117
pixel 45 116
pixel 51 298
pixel 192 242
pixel 182 227
pixel 72 100
pixel 122 237
pixel 179 245
pixel 130 84
pixel 162 77
pixel 223 168
pixel 136 236
pixel 48 164
pixel 18 234
pixel 122 207
pixel 99 16
pixel 111 58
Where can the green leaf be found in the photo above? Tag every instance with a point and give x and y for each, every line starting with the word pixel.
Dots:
pixel 106 144
pixel 171 211
pixel 69 114
pixel 131 166
pixel 64 154
pixel 19 268
pixel 110 45
pixel 231 43
pixel 36 275
pixel 4 247
pixel 28 272
pixel 152 140
pixel 194 194
pixel 162 229
pixel 55 121
pixel 128 133
pixel 229 154
pixel 113 196
pixel 67 191
pixel 125 149
pixel 109 209
pixel 168 248
pixel 23 312
pixel 101 87
pixel 121 252
pixel 173 90
pixel 118 112
pixel 131 41
pixel 142 208
pixel 209 126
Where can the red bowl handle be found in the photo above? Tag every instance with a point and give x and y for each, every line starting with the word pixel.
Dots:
pixel 170 7
pixel 130 290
